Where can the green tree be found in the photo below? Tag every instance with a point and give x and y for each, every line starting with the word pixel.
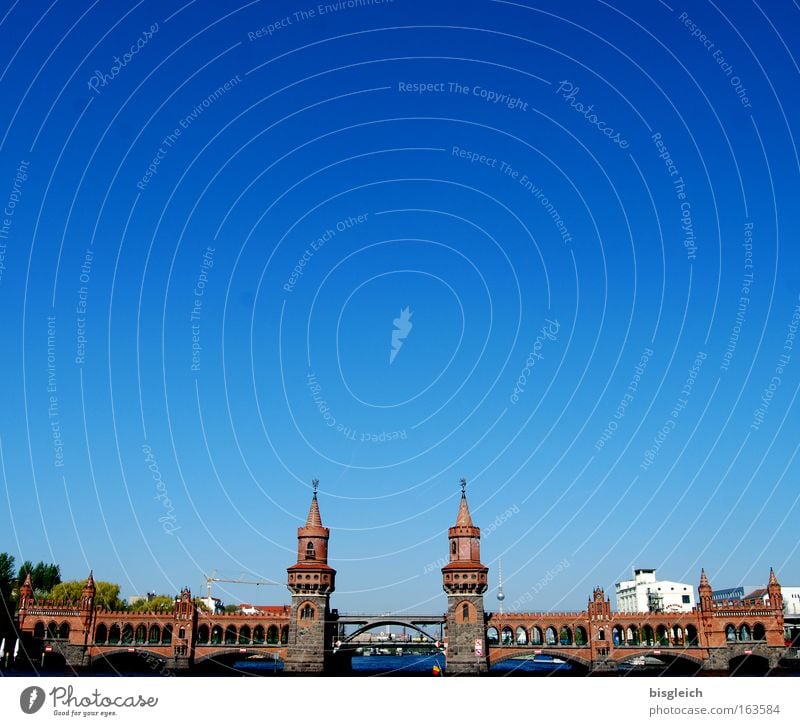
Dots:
pixel 6 574
pixel 106 593
pixel 158 602
pixel 44 576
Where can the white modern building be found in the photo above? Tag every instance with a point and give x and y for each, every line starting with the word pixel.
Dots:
pixel 791 601
pixel 644 593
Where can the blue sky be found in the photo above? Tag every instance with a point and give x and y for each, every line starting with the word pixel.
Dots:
pixel 217 214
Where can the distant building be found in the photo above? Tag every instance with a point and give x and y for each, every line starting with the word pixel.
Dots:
pixel 791 601
pixel 728 595
pixel 647 594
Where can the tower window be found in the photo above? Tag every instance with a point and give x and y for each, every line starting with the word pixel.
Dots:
pixel 465 613
pixel 453 547
pixel 306 612
pixel 310 551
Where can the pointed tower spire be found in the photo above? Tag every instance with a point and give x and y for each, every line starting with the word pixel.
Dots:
pixel 314 519
pixel 464 518
pixel 774 591
pixel 312 552
pixel 26 592
pixel 704 590
pixel 87 596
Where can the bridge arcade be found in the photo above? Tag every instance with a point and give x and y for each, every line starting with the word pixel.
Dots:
pixel 307 635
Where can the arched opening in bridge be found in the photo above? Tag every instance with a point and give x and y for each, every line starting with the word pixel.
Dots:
pixel 125 663
pixel 52 630
pixel 127 634
pixel 216 635
pixel 617 635
pixel 506 637
pixel 580 636
pixel 100 634
pixel 565 636
pixel 492 637
pixel 141 633
pixel 258 634
pixel 662 635
pixel 166 635
pixel 38 630
pixel 550 636
pixel 632 635
pixel 114 635
pixel 272 635
pixel 284 635
pixel 244 635
pixel 202 635
pixel 522 636
pixel 536 635
pixel 744 632
pixel 691 636
pixel 63 631
pixel 677 635
pixel 230 635
pixel 759 633
pixel 749 665
pixel 155 635
pixel 730 633
pixel 601 634
pixel 648 636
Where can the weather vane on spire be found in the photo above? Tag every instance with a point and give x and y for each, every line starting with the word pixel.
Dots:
pixel 463 486
pixel 315 484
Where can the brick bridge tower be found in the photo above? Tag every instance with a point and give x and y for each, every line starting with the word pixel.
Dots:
pixel 311 582
pixel 465 580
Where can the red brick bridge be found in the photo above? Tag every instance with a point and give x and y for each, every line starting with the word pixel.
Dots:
pixel 308 637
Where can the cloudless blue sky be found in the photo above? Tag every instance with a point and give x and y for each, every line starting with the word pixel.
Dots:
pixel 577 214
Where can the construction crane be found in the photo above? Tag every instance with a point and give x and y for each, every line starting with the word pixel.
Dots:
pixel 213 578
